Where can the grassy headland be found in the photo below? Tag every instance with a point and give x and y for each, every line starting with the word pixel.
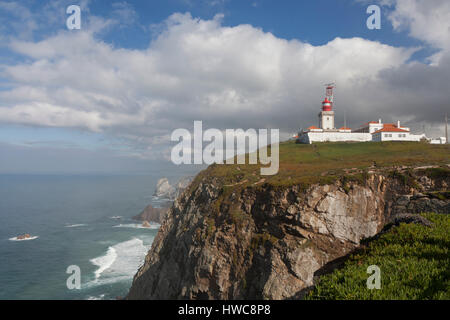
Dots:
pixel 325 162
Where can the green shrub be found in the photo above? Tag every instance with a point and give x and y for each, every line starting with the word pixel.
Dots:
pixel 260 239
pixel 436 173
pixel 414 262
pixel 406 178
pixel 211 227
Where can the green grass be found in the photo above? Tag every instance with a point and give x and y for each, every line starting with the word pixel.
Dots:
pixel 325 162
pixel 414 262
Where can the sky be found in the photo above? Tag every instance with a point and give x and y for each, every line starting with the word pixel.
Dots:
pixel 107 97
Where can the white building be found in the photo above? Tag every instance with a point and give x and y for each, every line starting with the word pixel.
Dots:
pixel 440 140
pixel 314 134
pixel 371 131
pixel 392 132
pixel 326 130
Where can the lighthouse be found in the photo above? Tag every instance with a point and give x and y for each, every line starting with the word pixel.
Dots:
pixel 326 115
pixel 371 131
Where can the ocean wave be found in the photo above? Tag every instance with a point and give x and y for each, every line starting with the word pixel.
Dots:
pixel 26 239
pixel 104 262
pixel 153 226
pixel 74 225
pixel 119 263
pixel 100 297
pixel 116 217
pixel 157 199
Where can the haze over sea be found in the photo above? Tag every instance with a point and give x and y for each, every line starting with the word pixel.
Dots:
pixel 75 221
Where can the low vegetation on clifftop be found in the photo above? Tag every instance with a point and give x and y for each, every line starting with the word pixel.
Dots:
pixel 413 259
pixel 326 162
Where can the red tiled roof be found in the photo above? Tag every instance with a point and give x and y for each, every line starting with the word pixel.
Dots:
pixel 389 127
pixel 313 127
pixel 345 128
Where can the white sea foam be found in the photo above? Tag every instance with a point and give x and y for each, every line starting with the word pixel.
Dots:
pixel 157 200
pixel 104 262
pixel 75 225
pixel 26 239
pixel 116 217
pixel 120 263
pixel 100 297
pixel 153 226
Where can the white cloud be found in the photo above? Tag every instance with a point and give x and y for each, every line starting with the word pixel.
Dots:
pixel 229 77
pixel 427 20
pixel 24 23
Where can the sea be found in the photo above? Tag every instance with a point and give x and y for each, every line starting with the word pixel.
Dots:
pixel 75 221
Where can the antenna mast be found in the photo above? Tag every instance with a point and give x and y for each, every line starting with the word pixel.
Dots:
pixel 446 129
pixel 345 120
pixel 329 92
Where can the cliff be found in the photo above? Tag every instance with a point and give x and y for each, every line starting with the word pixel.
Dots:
pixel 235 235
pixel 166 191
pixel 152 214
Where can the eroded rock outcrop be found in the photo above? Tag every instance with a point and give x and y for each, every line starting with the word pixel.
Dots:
pixel 152 214
pixel 267 242
pixel 166 191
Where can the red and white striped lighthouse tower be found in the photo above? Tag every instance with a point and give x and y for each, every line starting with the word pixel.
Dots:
pixel 326 105
pixel 326 116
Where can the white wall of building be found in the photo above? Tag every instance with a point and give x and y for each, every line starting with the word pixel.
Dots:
pixel 362 134
pixel 440 140
pixel 310 137
pixel 336 136
pixel 375 127
pixel 396 136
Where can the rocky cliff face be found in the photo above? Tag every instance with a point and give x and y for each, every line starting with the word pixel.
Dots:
pixel 152 214
pixel 267 242
pixel 165 190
